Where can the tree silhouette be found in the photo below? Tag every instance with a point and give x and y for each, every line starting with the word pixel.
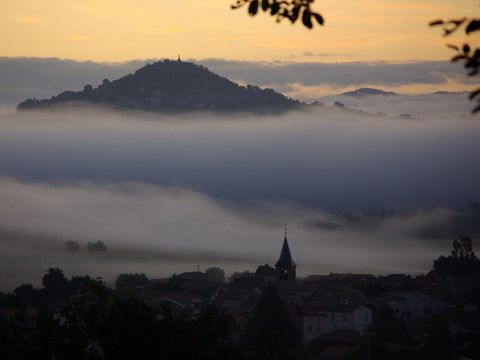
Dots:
pixel 72 246
pixel 291 10
pixel 25 295
pixel 465 53
pixel 55 285
pixel 131 280
pixel 386 327
pixel 461 260
pixel 270 334
pixel 97 246
pixel 216 274
pixel 128 321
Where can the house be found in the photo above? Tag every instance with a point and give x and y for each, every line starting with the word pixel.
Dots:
pixel 420 305
pixel 267 273
pixel 346 280
pixel 235 299
pixel 318 319
pixel 175 300
pixel 394 302
pixel 196 282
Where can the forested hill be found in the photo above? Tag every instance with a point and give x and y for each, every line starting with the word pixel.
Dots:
pixel 171 86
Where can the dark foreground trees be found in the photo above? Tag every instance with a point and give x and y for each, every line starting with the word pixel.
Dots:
pixel 271 333
pixel 100 325
pixel 84 320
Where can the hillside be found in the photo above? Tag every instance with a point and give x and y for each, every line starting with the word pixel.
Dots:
pixel 362 92
pixel 171 86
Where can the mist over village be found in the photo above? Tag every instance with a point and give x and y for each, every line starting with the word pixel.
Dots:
pixel 253 179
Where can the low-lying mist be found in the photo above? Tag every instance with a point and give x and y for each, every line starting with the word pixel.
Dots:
pixel 162 230
pixel 166 193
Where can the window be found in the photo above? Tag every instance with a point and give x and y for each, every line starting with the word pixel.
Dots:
pixel 332 317
pixel 344 318
pixel 309 328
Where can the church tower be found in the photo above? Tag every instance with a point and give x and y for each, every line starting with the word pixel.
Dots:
pixel 286 267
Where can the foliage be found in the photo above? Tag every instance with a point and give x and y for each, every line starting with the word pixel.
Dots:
pixel 466 54
pixel 462 259
pixel 238 274
pixel 291 10
pixel 25 295
pixel 55 285
pixel 103 325
pixel 216 274
pixel 270 334
pixel 205 335
pixel 97 246
pixel 386 327
pixel 127 329
pixel 72 246
pixel 438 344
pixel 86 284
pixel 131 280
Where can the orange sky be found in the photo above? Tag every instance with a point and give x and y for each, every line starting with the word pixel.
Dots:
pixel 118 30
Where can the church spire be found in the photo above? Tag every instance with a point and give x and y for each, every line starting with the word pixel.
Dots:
pixel 285 260
pixel 285 266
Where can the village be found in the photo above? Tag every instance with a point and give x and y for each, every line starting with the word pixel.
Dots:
pixel 332 316
pixel 333 312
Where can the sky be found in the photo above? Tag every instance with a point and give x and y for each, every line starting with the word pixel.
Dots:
pixel 121 30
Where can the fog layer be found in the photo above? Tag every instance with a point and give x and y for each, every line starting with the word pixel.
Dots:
pixel 166 193
pixel 161 230
pixel 327 158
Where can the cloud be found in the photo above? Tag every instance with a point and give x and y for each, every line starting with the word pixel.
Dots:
pixel 311 54
pixel 22 78
pixel 338 74
pixel 325 158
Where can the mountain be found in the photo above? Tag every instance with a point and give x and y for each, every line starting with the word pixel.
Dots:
pixel 362 92
pixel 171 86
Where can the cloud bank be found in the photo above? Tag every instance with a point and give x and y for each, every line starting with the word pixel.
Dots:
pixel 22 78
pixel 328 158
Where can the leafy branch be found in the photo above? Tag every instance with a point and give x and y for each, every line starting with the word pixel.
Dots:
pixel 470 57
pixel 291 10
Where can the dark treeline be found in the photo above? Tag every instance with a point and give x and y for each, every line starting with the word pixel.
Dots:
pixel 81 318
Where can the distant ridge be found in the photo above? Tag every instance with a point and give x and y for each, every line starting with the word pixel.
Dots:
pixel 362 92
pixel 171 86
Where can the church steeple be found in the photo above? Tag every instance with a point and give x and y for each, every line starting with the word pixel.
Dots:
pixel 286 267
